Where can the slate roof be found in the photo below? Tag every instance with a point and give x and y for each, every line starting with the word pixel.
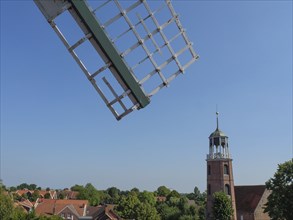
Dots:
pixel 248 197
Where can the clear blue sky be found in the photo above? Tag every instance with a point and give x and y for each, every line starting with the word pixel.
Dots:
pixel 56 132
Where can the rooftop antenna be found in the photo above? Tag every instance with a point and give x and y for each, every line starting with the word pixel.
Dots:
pixel 139 55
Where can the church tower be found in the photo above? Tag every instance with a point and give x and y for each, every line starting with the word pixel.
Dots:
pixel 219 170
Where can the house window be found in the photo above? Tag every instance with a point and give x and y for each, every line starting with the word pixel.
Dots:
pixel 226 169
pixel 209 189
pixel 209 169
pixel 227 189
pixel 69 216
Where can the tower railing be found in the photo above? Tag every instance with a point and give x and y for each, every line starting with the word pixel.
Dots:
pixel 218 156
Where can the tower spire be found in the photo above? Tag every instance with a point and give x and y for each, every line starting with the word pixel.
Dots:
pixel 217 113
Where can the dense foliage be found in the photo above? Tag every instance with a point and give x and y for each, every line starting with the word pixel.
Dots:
pixel 280 201
pixel 222 206
pixel 163 204
pixel 10 212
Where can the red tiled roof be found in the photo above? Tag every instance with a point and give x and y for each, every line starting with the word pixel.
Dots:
pixel 69 194
pixel 248 197
pixel 54 206
pixel 24 191
pixel 102 212
pixel 26 203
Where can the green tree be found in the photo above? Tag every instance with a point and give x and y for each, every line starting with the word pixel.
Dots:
pixel 134 191
pixel 163 191
pixel 145 211
pixel 12 189
pixel 35 195
pixel 174 194
pixel 90 193
pixel 77 188
pixel 47 196
pixel 23 186
pixel 18 214
pixel 113 191
pixel 280 202
pixel 202 212
pixel 187 217
pixel 6 207
pixel 222 206
pixel 32 187
pixel 197 194
pixel 31 215
pixel 168 212
pixel 61 195
pixel 130 207
pixel 114 194
pixel 126 207
pixel 147 197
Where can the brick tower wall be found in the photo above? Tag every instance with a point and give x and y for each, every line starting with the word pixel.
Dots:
pixel 216 181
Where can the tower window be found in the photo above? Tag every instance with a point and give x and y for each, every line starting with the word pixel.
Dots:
pixel 227 189
pixel 226 169
pixel 209 169
pixel 209 189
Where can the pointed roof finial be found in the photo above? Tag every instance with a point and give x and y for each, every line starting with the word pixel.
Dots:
pixel 217 113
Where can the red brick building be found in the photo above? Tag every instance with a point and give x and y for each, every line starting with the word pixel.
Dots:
pixel 219 170
pixel 248 202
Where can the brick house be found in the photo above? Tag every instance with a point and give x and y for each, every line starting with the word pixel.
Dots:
pixel 67 209
pixel 67 194
pixel 75 209
pixel 42 193
pixel 104 212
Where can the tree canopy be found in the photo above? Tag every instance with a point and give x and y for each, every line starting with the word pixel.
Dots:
pixel 90 193
pixel 163 204
pixel 10 212
pixel 222 206
pixel 280 202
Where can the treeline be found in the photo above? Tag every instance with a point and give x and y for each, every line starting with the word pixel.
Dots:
pixel 162 204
